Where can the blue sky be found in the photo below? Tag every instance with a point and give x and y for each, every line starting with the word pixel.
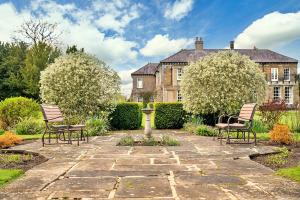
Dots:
pixel 127 34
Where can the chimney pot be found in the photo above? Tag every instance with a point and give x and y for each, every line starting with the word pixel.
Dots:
pixel 231 45
pixel 199 43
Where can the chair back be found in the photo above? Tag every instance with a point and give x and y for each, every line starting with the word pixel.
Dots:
pixel 52 113
pixel 247 112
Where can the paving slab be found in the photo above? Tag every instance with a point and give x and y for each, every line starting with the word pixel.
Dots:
pixel 82 187
pixel 200 168
pixel 144 187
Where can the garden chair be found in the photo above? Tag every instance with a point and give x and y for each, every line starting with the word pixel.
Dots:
pixel 244 124
pixel 53 119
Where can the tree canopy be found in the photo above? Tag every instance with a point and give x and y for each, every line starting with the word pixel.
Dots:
pixel 222 82
pixel 80 84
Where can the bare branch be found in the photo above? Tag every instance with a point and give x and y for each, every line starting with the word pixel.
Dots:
pixel 35 31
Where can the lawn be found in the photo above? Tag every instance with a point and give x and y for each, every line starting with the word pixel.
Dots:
pixel 292 173
pixel 7 175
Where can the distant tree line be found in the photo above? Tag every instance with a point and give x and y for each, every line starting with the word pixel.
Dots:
pixel 21 61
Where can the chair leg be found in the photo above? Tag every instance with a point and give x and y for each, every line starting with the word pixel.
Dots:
pixel 255 141
pixel 87 136
pixel 248 136
pixel 69 137
pixel 43 137
pixel 49 135
pixel 78 138
pixel 220 136
pixel 228 137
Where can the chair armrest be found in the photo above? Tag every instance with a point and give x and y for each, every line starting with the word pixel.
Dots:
pixel 223 115
pixel 231 117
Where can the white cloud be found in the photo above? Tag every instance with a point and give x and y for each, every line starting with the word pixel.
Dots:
pixel 10 19
pixel 126 79
pixel 115 50
pixel 161 45
pixel 117 14
pixel 179 9
pixel 273 30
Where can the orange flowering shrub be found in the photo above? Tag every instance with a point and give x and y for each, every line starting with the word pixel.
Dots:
pixel 9 139
pixel 281 134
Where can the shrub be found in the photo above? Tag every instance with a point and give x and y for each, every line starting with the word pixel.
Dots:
pixel 81 85
pixel 222 82
pixel 271 112
pixel 97 126
pixel 279 158
pixel 169 115
pixel 204 130
pixel 2 131
pixel 29 126
pixel 13 110
pixel 126 141
pixel 259 126
pixel 281 134
pixel 291 118
pixel 149 142
pixel 126 116
pixel 190 127
pixel 9 139
pixel 168 141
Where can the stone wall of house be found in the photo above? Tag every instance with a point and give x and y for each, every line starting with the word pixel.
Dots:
pixel 168 85
pixel 148 85
pixel 266 68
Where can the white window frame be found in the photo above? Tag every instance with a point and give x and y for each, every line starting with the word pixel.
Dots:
pixel 289 74
pixel 278 96
pixel 288 99
pixel 139 83
pixel 140 99
pixel 179 73
pixel 274 74
pixel 179 96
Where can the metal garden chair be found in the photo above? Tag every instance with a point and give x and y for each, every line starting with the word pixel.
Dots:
pixel 243 125
pixel 53 119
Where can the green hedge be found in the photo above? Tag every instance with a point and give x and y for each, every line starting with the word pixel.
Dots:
pixel 127 116
pixel 169 115
pixel 13 110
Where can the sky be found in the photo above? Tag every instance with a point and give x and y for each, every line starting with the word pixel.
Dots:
pixel 128 34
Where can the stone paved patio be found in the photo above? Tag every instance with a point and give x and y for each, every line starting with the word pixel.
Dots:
pixel 198 169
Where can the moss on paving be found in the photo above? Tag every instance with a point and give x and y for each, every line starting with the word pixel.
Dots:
pixel 292 173
pixel 7 175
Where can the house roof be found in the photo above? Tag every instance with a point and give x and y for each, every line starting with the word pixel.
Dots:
pixel 148 69
pixel 257 55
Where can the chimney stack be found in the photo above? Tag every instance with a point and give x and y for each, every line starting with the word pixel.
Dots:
pixel 231 45
pixel 199 43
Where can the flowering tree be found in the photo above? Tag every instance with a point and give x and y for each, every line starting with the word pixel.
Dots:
pixel 222 82
pixel 80 84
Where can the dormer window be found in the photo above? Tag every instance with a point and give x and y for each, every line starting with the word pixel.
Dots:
pixel 274 74
pixel 139 83
pixel 286 74
pixel 179 74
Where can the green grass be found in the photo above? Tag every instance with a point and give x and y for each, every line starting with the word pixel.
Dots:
pixel 168 141
pixel 126 141
pixel 7 175
pixel 292 173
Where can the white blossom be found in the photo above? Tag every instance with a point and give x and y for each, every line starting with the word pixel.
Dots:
pixel 222 82
pixel 80 84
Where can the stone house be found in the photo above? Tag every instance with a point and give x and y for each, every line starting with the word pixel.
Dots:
pixel 163 78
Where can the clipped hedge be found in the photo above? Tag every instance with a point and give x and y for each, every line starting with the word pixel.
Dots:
pixel 13 110
pixel 126 116
pixel 169 115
